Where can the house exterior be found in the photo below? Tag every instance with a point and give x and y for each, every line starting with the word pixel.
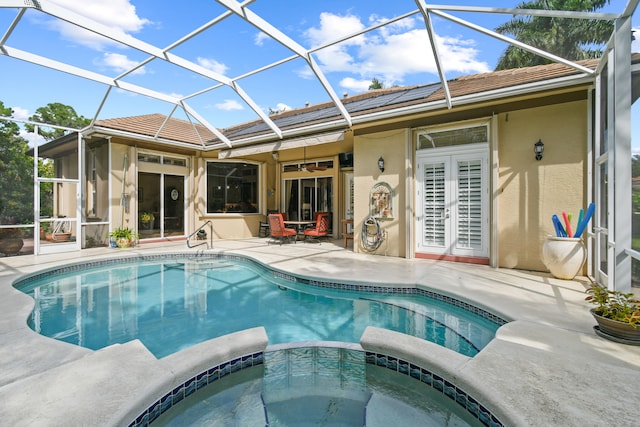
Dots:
pixel 419 178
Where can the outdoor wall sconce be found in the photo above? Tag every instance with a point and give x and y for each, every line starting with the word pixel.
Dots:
pixel 538 148
pixel 275 155
pixel 381 164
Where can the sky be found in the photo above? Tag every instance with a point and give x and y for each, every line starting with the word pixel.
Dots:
pixel 396 54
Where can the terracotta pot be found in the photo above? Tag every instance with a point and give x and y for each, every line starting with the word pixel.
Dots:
pixel 616 330
pixel 563 256
pixel 11 246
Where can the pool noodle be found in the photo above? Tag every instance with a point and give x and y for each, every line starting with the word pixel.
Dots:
pixel 567 224
pixel 558 226
pixel 580 216
pixel 585 220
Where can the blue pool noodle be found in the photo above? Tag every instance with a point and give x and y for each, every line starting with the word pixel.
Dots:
pixel 558 226
pixel 585 220
pixel 580 216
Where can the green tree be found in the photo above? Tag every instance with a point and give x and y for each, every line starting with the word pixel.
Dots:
pixel 572 39
pixel 16 173
pixel 376 84
pixel 635 165
pixel 57 114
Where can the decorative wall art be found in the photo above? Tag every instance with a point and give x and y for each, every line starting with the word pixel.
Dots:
pixel 381 201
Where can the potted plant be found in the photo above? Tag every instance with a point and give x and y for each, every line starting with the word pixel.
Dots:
pixel 617 314
pixel 146 222
pixel 123 237
pixel 147 218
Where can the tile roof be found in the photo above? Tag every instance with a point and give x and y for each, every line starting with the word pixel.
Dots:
pixel 174 130
pixel 358 105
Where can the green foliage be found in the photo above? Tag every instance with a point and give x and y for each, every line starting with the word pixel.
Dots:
pixel 57 114
pixel 614 305
pixel 573 39
pixel 376 84
pixel 147 217
pixel 124 233
pixel 16 173
pixel 635 165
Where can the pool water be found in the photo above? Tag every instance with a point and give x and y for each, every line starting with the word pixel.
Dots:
pixel 316 387
pixel 172 304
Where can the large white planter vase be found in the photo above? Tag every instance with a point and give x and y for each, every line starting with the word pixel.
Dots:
pixel 563 256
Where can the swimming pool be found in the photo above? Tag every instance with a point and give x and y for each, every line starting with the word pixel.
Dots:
pixel 171 303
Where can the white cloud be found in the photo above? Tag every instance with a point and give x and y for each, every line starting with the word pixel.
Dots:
pixel 32 138
pixel 333 27
pixel 118 15
pixel 229 105
pixel 283 107
pixel 119 63
pixel 355 84
pixel 20 113
pixel 388 54
pixel 213 65
pixel 259 39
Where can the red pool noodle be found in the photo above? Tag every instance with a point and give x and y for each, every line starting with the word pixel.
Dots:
pixel 567 224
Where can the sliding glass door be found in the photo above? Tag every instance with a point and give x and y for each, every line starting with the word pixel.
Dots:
pixel 302 197
pixel 161 207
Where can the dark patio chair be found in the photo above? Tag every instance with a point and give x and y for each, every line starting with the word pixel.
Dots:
pixel 320 230
pixel 279 231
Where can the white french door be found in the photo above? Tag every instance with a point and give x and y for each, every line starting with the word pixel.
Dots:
pixel 452 204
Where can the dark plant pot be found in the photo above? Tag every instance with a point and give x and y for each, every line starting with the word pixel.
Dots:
pixel 615 330
pixel 11 246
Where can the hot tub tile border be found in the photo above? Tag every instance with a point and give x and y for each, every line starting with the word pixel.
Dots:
pixel 400 366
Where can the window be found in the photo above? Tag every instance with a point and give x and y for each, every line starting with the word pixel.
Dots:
pixel 232 187
pixel 453 137
pixel 160 159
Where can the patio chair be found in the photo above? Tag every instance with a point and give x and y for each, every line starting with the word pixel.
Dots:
pixel 320 230
pixel 279 231
pixel 264 230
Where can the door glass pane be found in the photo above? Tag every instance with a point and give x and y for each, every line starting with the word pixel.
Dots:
pixel 149 205
pixel 434 204
pixel 305 196
pixel 635 174
pixel 604 112
pixel 173 205
pixel 469 204
pixel 309 199
pixel 603 208
pixel 324 197
pixel 291 198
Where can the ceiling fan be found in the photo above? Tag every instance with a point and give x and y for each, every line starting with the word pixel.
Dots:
pixel 311 167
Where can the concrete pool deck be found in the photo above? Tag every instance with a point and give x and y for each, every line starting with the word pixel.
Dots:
pixel 545 367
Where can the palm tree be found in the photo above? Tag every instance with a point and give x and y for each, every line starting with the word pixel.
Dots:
pixel 572 39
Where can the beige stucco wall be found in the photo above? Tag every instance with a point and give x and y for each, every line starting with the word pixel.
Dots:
pixel 529 192
pixel 119 216
pixel 392 147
